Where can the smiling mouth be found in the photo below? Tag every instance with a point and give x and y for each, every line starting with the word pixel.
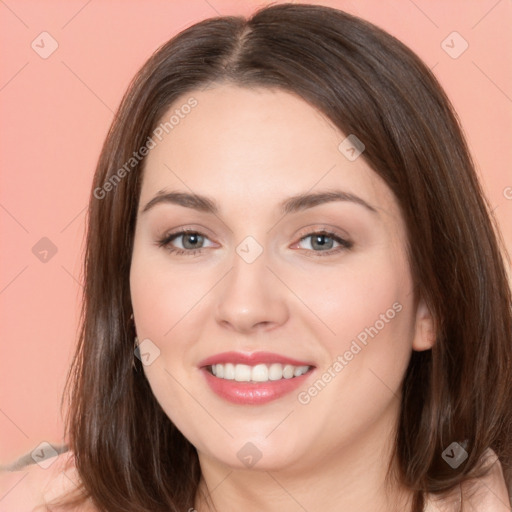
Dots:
pixel 257 373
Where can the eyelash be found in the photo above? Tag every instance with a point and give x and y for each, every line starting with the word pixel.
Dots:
pixel 165 242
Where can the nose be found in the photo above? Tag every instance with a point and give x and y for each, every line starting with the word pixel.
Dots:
pixel 251 297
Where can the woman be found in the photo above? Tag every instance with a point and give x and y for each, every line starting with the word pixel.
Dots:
pixel 286 220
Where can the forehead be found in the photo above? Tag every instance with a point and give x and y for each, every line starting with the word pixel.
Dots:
pixel 255 146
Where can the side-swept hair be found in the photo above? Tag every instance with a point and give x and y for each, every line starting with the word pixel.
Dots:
pixel 129 455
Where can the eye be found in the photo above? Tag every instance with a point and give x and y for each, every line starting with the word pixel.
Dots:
pixel 324 241
pixel 191 242
pixel 321 243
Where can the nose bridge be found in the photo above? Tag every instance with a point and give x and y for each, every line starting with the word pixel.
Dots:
pixel 251 294
pixel 250 264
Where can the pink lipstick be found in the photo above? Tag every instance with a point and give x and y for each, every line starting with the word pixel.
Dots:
pixel 254 378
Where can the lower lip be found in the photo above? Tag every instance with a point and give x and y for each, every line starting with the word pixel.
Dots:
pixel 253 393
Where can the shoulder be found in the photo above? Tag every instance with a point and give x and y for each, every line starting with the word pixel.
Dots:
pixel 26 485
pixel 486 494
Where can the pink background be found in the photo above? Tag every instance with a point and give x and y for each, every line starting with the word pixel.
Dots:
pixel 55 114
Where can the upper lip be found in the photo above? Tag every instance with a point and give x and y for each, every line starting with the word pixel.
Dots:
pixel 251 359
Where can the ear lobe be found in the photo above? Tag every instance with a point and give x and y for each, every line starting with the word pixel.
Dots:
pixel 425 335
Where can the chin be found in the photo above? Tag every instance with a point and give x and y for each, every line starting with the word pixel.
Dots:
pixel 253 454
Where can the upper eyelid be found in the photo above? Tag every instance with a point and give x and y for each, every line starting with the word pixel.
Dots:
pixel 183 232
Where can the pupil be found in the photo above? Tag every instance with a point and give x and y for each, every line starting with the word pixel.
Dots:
pixel 320 240
pixel 192 236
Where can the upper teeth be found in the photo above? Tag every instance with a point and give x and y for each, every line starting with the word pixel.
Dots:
pixel 258 373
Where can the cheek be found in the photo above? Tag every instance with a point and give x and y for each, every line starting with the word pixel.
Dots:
pixel 163 302
pixel 161 295
pixel 366 309
pixel 369 311
pixel 352 299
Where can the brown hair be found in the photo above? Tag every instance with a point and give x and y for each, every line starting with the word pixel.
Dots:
pixel 129 455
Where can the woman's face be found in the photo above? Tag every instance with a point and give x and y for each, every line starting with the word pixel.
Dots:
pixel 256 277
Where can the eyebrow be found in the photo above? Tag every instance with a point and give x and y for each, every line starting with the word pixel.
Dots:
pixel 297 203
